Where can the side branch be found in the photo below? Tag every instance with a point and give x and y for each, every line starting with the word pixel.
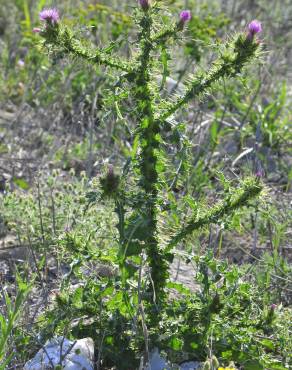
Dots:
pixel 165 35
pixel 240 197
pixel 63 39
pixel 232 60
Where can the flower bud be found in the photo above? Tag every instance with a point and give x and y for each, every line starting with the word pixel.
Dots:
pixel 207 365
pixel 215 362
pixel 254 27
pixel 20 63
pixel 110 182
pixel 260 173
pixel 145 4
pixel 184 17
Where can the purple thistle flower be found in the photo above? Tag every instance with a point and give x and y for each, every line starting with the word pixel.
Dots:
pixel 50 15
pixel 260 173
pixel 273 306
pixel 20 63
pixel 254 27
pixel 145 4
pixel 185 16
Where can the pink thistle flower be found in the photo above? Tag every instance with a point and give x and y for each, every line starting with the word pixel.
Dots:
pixel 36 30
pixel 20 63
pixel 145 4
pixel 260 173
pixel 50 15
pixel 185 16
pixel 254 27
pixel 273 306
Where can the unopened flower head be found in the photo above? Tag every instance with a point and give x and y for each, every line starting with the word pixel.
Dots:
pixel 20 63
pixel 185 16
pixel 50 15
pixel 254 27
pixel 36 30
pixel 145 4
pixel 260 173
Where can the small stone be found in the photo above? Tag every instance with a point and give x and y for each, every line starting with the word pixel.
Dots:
pixel 79 357
pixel 156 362
pixel 190 365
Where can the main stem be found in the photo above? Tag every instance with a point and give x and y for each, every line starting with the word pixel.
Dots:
pixel 148 164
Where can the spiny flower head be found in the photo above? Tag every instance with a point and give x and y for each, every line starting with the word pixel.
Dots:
pixel 110 182
pixel 259 173
pixel 254 27
pixel 145 4
pixel 50 15
pixel 185 16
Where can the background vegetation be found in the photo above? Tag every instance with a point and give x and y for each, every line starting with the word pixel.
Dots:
pixel 64 122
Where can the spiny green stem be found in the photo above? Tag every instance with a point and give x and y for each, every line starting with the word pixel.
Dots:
pixel 65 39
pixel 97 57
pixel 251 188
pixel 165 35
pixel 149 145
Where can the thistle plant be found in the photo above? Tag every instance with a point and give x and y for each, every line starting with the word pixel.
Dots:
pixel 138 215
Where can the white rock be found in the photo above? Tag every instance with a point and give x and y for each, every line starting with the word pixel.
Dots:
pixel 78 357
pixel 192 365
pixel 156 362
